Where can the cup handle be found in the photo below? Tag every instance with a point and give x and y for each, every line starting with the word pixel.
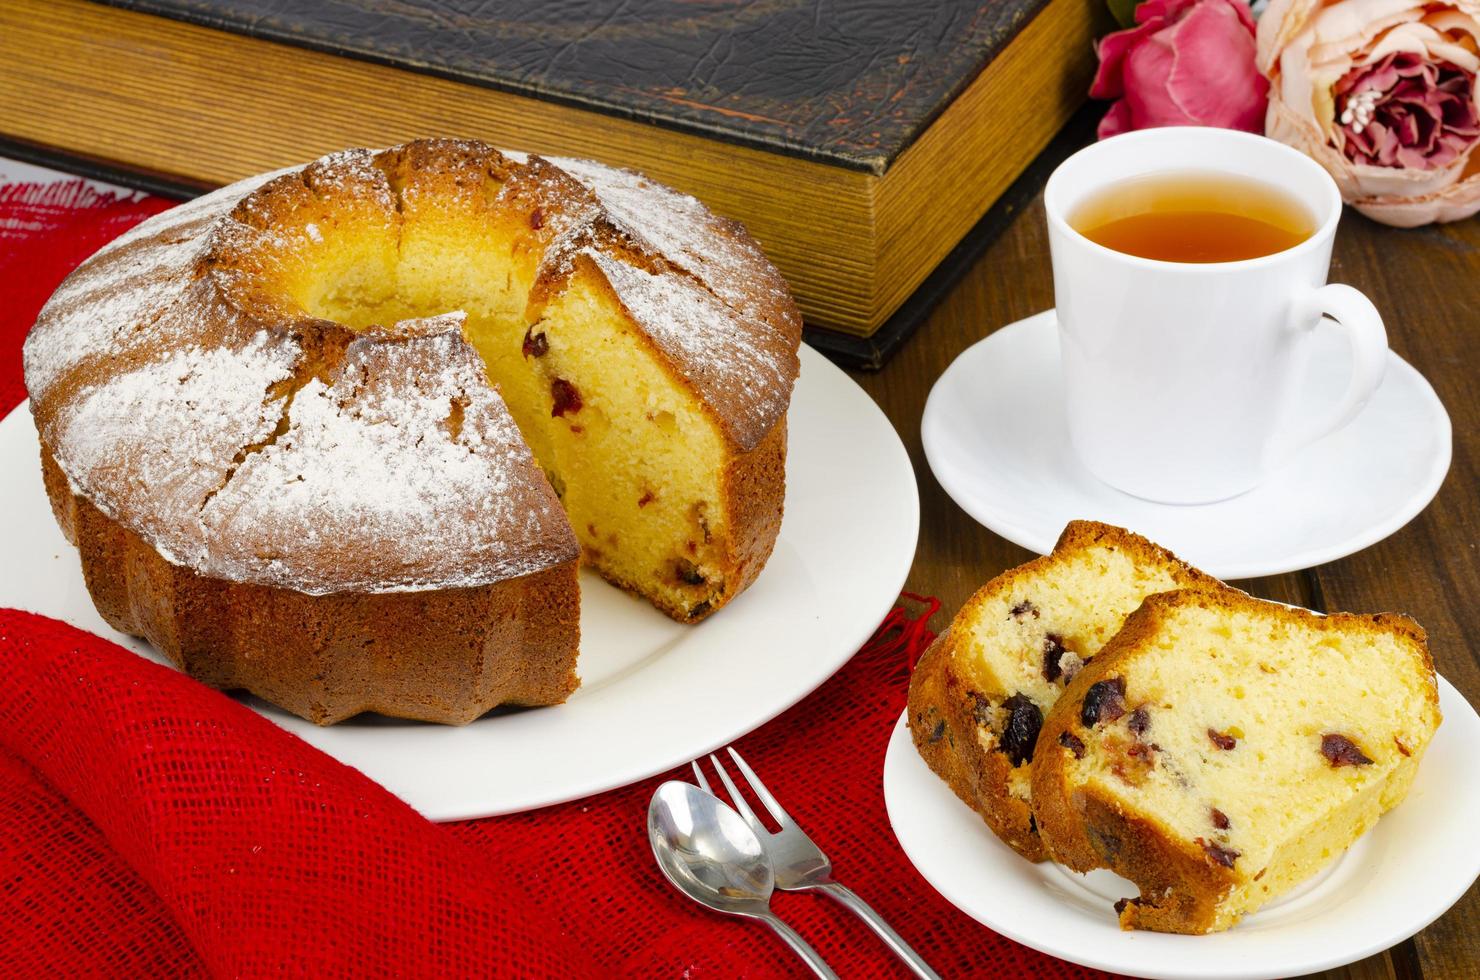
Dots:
pixel 1368 339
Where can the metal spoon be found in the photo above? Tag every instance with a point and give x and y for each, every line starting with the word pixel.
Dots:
pixel 710 855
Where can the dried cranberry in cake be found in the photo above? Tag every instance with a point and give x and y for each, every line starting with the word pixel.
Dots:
pixel 565 397
pixel 1223 740
pixel 1053 652
pixel 981 708
pixel 1342 751
pixel 1139 721
pixel 688 573
pixel 1218 853
pixel 1059 662
pixel 1104 701
pixel 1024 609
pixel 1020 734
pixel 535 344
pixel 1073 743
pixel 1130 761
pixel 537 219
pixel 1220 819
pixel 1144 750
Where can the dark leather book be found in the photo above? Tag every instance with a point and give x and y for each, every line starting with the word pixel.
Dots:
pixel 858 139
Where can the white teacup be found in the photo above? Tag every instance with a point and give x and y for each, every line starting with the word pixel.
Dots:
pixel 1181 377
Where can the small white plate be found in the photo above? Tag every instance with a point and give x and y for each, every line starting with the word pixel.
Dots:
pixel 1402 875
pixel 996 438
pixel 654 693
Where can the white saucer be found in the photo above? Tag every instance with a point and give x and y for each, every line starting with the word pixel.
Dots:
pixel 994 433
pixel 1402 875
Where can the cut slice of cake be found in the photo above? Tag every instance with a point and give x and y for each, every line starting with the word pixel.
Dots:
pixel 979 694
pixel 1221 749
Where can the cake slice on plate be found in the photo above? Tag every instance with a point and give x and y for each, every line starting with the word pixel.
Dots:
pixel 1221 749
pixel 979 694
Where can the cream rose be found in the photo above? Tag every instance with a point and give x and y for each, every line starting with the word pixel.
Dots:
pixel 1383 94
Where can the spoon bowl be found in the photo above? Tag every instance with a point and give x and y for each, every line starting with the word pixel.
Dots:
pixel 711 855
pixel 708 852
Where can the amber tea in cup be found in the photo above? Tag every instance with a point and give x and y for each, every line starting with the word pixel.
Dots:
pixel 1193 217
pixel 1184 379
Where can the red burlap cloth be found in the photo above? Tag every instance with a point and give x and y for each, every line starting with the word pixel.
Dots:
pixel 152 827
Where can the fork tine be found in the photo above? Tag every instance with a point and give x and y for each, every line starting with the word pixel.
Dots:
pixel 699 775
pixel 782 817
pixel 737 800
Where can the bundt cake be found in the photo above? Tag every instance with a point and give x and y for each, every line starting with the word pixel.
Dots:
pixel 1221 749
pixel 339 435
pixel 979 694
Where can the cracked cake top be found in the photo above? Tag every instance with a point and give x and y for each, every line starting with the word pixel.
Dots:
pixel 247 439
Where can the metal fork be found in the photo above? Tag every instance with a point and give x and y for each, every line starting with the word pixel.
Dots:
pixel 800 864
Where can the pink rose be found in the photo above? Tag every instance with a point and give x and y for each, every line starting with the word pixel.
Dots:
pixel 1185 63
pixel 1383 94
pixel 1403 111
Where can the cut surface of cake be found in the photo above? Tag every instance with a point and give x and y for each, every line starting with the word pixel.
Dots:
pixel 979 694
pixel 429 379
pixel 1221 749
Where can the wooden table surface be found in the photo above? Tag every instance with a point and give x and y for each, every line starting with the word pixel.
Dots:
pixel 1426 282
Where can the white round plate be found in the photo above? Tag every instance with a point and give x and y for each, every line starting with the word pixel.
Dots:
pixel 1394 881
pixel 654 693
pixel 996 438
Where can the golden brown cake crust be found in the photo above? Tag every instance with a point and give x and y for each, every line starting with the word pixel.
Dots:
pixel 944 729
pixel 194 420
pixel 188 295
pixel 755 487
pixel 1181 885
pixel 445 655
pixel 942 710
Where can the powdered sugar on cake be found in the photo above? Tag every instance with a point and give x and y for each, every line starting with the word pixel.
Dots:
pixel 124 287
pixel 167 432
pixel 685 232
pixel 397 468
pixel 89 316
pixel 190 432
pixel 724 363
pixel 380 484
